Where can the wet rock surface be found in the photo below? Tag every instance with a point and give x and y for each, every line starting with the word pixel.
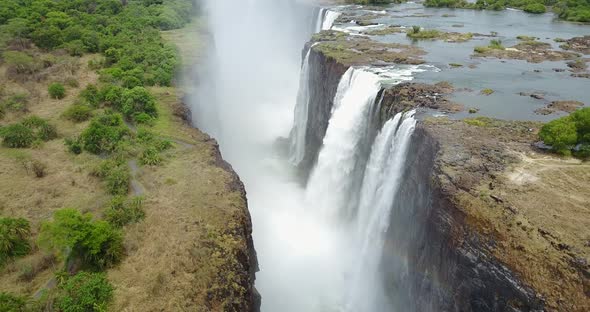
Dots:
pixel 410 95
pixel 358 50
pixel 578 44
pixel 559 106
pixel 530 51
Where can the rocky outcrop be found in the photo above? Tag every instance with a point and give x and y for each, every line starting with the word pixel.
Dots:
pixel 242 230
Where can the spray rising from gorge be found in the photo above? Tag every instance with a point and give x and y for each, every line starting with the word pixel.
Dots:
pixel 319 242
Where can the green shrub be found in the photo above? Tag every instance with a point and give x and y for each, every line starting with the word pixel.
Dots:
pixel 74 145
pixel 123 211
pixel 487 91
pixel 78 113
pixel 143 118
pixel 17 136
pixel 131 82
pixel 567 133
pixel 16 103
pixel 581 119
pixel 42 129
pixel 91 95
pixel 104 133
pixel 84 292
pixel 117 180
pixel 57 91
pixel 481 49
pixel 75 48
pixel 561 134
pixel 536 8
pixel 424 34
pixel 116 175
pixel 150 156
pixel 12 303
pixel 496 44
pixel 138 100
pixel 111 95
pixel 14 238
pixel 76 235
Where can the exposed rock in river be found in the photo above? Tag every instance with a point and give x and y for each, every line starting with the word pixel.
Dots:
pixel 531 51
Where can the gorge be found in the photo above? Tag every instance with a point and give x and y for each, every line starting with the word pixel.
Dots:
pixel 362 198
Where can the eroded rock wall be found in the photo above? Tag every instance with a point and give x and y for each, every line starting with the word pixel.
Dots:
pixel 324 76
pixel 434 260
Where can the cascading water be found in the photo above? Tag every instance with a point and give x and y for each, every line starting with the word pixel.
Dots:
pixel 297 148
pixel 329 19
pixel 340 161
pixel 324 21
pixel 315 243
pixel 380 184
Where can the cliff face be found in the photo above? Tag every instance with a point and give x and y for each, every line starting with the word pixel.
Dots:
pixel 440 255
pixel 448 265
pixel 324 76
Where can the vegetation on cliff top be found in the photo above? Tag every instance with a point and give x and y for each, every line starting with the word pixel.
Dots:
pixel 571 10
pixel 44 46
pixel 569 134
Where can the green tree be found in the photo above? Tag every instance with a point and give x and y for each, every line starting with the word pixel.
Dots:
pixel 85 292
pixel 536 8
pixel 138 100
pixel 104 133
pixel 73 234
pixel 561 134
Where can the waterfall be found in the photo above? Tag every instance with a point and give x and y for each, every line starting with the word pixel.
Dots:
pixel 380 184
pixel 320 20
pixel 326 19
pixel 332 182
pixel 297 148
pixel 329 19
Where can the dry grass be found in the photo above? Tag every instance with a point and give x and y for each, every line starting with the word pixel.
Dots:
pixel 169 266
pixel 536 209
pixel 66 182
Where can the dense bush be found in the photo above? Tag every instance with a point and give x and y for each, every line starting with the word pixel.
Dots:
pixel 570 133
pixel 14 238
pixel 128 36
pixel 536 8
pixel 74 145
pixel 17 136
pixel 104 133
pixel 12 303
pixel 91 95
pixel 116 175
pixel 571 10
pixel 123 211
pixel 41 128
pixel 138 101
pixel 78 113
pixel 56 91
pixel 76 235
pixel 84 292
